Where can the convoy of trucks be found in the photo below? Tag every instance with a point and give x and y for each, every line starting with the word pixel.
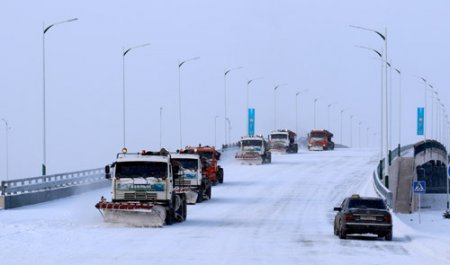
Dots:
pixel 151 189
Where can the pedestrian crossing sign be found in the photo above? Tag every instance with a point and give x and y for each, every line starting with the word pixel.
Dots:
pixel 419 186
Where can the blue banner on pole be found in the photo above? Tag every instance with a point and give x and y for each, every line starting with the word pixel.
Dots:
pixel 251 122
pixel 420 120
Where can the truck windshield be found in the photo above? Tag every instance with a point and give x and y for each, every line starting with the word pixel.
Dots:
pixel 141 170
pixel 207 155
pixel 188 163
pixel 362 203
pixel 246 143
pixel 317 135
pixel 279 136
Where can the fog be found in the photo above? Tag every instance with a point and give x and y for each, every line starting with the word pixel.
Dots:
pixel 304 44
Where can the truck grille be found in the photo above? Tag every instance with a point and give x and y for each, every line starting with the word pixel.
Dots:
pixel 140 196
pixel 183 182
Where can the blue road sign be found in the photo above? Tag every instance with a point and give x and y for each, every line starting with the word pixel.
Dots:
pixel 419 186
pixel 251 122
pixel 448 171
pixel 420 120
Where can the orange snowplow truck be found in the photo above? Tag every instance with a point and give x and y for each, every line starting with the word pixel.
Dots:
pixel 320 140
pixel 209 156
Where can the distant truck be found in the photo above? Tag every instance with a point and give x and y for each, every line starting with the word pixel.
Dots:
pixel 254 150
pixel 319 140
pixel 283 141
pixel 210 157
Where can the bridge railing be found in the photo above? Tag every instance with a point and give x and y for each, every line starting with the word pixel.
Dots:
pixel 381 190
pixel 26 191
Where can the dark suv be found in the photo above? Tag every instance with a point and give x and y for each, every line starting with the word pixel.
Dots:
pixel 363 215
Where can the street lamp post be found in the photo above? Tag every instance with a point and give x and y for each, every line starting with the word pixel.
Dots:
pixel 275 104
pixel 124 53
pixel 315 101
pixel 296 109
pixel 160 126
pixel 384 37
pixel 425 109
pixel 229 129
pixel 351 130
pixel 179 94
pixel 328 116
pixel 226 72
pixel 359 134
pixel 340 134
pixel 248 85
pixel 380 54
pixel 215 130
pixel 44 30
pixel 399 108
pixel 7 128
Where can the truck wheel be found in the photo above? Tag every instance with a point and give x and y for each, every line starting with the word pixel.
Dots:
pixel 220 175
pixel 170 216
pixel 180 213
pixel 296 148
pixel 201 194
pixel 269 157
pixel 208 193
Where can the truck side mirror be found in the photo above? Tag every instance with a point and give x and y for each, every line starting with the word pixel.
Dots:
pixel 107 172
pixel 337 209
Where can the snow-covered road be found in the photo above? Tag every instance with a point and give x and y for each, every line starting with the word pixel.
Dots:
pixel 280 213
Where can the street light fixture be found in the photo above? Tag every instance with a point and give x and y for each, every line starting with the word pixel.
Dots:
pixel 124 53
pixel 44 30
pixel 381 94
pixel 7 128
pixel 384 37
pixel 179 93
pixel 226 72
pixel 275 103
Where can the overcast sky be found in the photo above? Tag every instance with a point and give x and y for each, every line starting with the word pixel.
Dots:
pixel 305 44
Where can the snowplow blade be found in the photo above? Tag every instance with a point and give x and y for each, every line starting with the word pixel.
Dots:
pixel 251 161
pixel 133 214
pixel 191 197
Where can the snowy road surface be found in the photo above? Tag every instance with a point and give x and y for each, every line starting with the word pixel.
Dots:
pixel 280 213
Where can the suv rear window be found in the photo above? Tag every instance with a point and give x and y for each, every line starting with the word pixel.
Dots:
pixel 362 203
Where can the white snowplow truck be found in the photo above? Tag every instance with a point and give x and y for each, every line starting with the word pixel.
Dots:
pixel 254 150
pixel 143 190
pixel 283 141
pixel 192 182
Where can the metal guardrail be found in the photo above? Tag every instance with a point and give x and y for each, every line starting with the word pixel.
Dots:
pixel 51 182
pixel 381 190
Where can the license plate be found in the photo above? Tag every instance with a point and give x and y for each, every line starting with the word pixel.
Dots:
pixel 368 218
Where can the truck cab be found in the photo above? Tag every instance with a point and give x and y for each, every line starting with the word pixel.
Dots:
pixel 144 192
pixel 319 140
pixel 283 141
pixel 192 180
pixel 254 149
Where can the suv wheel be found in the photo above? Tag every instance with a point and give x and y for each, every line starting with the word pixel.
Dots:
pixel 388 236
